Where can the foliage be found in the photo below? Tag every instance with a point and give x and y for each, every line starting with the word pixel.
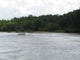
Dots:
pixel 69 22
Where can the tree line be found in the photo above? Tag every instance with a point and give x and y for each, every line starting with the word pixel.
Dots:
pixel 69 22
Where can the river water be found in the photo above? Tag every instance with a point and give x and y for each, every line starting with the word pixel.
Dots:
pixel 39 46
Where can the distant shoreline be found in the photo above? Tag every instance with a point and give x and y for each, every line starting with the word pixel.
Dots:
pixel 39 32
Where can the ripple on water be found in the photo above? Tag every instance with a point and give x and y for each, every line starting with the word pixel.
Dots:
pixel 39 46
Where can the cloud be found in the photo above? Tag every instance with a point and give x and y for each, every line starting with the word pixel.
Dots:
pixel 17 8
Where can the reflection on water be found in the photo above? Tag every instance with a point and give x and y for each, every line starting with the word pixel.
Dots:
pixel 39 46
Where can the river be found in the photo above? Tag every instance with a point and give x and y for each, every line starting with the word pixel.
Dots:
pixel 39 46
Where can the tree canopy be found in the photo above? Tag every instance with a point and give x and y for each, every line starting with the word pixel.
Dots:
pixel 69 22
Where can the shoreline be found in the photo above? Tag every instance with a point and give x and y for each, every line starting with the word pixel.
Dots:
pixel 33 32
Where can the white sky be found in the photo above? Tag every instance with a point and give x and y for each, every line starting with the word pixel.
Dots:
pixel 17 8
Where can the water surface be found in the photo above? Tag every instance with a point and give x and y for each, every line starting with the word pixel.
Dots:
pixel 39 46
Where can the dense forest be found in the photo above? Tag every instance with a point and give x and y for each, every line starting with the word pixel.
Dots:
pixel 69 22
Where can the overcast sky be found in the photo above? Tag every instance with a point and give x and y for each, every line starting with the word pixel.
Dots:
pixel 18 8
